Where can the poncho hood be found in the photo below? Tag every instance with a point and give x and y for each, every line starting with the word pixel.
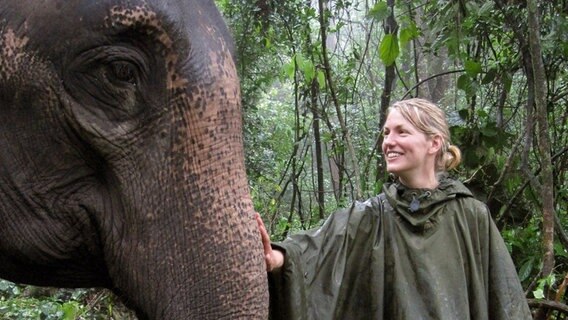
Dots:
pixel 420 206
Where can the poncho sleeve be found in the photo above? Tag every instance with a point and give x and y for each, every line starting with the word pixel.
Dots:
pixel 308 286
pixel 506 299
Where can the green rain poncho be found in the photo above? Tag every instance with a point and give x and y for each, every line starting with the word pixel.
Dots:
pixel 381 260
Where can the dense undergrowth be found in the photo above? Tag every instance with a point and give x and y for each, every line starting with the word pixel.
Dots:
pixel 18 302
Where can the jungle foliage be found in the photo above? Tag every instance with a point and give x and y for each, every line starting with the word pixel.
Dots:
pixel 317 77
pixel 18 302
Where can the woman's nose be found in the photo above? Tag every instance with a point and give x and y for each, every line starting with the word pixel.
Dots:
pixel 386 143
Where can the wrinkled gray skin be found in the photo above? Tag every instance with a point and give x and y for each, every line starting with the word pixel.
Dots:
pixel 121 161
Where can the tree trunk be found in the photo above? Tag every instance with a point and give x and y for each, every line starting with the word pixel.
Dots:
pixel 547 191
pixel 317 145
pixel 543 138
pixel 390 27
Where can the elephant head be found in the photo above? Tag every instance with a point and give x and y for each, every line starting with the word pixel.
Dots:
pixel 121 161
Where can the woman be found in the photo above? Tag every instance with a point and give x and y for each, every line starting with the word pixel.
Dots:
pixel 422 249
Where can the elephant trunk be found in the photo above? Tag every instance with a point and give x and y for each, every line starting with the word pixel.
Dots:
pixel 189 247
pixel 190 240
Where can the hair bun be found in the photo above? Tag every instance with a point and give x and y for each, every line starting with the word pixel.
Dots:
pixel 452 157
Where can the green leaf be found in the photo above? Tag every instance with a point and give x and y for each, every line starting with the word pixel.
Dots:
pixel 289 69
pixel 71 310
pixel 300 61
pixel 379 11
pixel 464 82
pixel 489 76
pixel 486 10
pixel 482 113
pixel 409 33
pixel 309 71
pixel 507 81
pixel 468 85
pixel 388 49
pixel 538 293
pixel 559 250
pixel 310 12
pixel 306 66
pixel 548 281
pixel 321 79
pixel 526 268
pixel 472 68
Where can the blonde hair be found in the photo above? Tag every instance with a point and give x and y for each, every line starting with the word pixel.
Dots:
pixel 430 120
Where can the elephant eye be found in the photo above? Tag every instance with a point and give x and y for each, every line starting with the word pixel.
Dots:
pixel 110 79
pixel 122 72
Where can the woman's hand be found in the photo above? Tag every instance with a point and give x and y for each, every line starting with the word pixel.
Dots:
pixel 274 258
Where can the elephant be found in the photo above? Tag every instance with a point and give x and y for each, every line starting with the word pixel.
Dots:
pixel 121 157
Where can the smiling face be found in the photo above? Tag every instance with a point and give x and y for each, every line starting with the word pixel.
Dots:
pixel 408 152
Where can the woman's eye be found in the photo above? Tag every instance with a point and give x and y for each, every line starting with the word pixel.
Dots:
pixel 122 71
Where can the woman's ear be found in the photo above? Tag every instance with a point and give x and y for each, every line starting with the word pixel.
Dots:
pixel 435 144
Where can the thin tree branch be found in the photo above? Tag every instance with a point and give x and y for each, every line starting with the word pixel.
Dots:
pixel 527 182
pixel 548 304
pixel 430 78
pixel 330 82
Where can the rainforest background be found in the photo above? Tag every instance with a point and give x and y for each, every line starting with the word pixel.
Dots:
pixel 317 77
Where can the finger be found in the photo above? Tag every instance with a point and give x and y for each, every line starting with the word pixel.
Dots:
pixel 268 252
pixel 261 227
pixel 264 235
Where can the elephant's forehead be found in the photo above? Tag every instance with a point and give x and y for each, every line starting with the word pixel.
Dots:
pixel 184 33
pixel 146 20
pixel 12 54
pixel 139 16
